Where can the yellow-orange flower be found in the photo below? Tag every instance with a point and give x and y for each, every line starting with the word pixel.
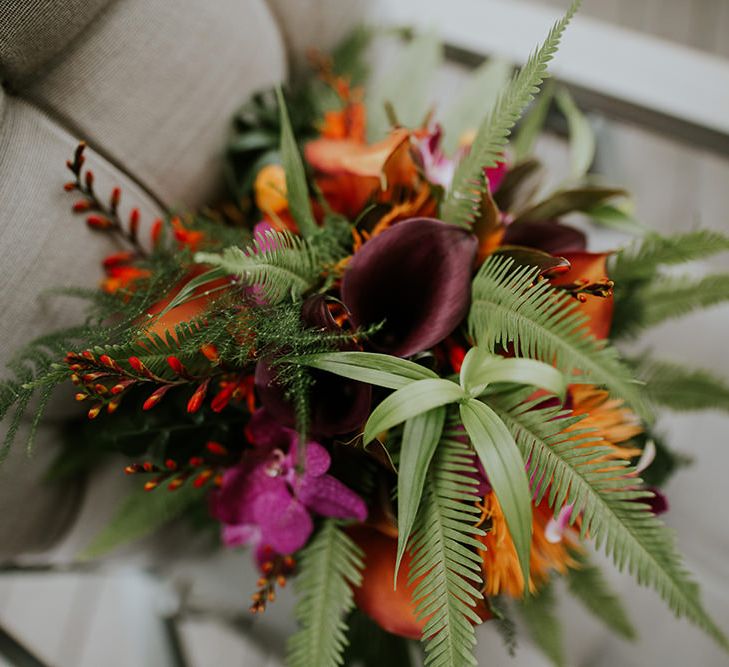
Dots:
pixel 614 424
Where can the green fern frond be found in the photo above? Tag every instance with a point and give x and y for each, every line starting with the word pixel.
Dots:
pixel 588 585
pixel 281 264
pixel 465 196
pixel 680 388
pixel 540 617
pixel 508 306
pixel 330 565
pixel 668 298
pixel 641 259
pixel 565 468
pixel 443 550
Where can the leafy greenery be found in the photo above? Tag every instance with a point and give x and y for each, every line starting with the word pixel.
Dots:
pixel 642 259
pixel 371 646
pixel 582 138
pixel 280 264
pixel 680 388
pixel 654 302
pixel 540 616
pixel 588 585
pixel 329 566
pixel 462 201
pixel 509 308
pixel 141 513
pixel 445 563
pixel 610 505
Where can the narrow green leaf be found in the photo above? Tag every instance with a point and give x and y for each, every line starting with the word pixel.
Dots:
pixel 297 191
pixel 409 401
pixel 582 138
pixel 475 100
pixel 413 71
pixel 532 124
pixel 540 616
pixel 140 514
pixel 563 202
pixel 381 370
pixel 420 437
pixel 616 217
pixel 504 466
pixel 588 585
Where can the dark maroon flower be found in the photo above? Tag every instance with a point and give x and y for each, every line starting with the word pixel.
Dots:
pixel 336 405
pixel 550 236
pixel 658 503
pixel 416 278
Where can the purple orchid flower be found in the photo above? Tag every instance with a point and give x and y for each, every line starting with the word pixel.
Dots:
pixel 416 278
pixel 440 169
pixel 267 502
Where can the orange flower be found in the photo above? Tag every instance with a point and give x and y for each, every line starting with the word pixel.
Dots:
pixel 614 424
pixel 123 277
pixel 351 173
pixel 186 237
pixel 392 609
pixel 589 268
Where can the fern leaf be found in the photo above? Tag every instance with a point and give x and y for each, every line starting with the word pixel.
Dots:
pixel 674 386
pixel 330 565
pixel 540 617
pixel 464 198
pixel 641 259
pixel 542 323
pixel 611 506
pixel 140 514
pixel 281 264
pixel 445 564
pixel 668 298
pixel 588 585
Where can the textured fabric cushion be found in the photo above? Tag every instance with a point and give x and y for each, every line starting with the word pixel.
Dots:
pixel 32 32
pixel 152 84
pixel 42 245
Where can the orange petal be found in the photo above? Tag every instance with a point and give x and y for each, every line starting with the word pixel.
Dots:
pixel 270 189
pixel 591 267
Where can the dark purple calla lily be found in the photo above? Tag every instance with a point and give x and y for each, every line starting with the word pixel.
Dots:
pixel 416 277
pixel 550 236
pixel 336 405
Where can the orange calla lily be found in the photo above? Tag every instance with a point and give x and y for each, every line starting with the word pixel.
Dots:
pixel 391 608
pixel 589 268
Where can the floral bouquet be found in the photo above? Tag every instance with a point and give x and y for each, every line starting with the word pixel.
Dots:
pixel 386 367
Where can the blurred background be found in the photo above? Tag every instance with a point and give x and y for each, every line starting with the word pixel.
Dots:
pixel 152 85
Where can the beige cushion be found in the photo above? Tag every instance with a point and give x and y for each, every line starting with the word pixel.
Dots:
pixel 32 32
pixel 153 84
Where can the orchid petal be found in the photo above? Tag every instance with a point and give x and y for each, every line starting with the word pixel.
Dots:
pixel 327 496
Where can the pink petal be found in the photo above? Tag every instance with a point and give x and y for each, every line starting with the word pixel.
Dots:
pixel 285 523
pixel 238 535
pixel 555 528
pixel 327 496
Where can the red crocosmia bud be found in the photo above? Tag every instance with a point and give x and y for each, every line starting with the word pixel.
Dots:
pixel 112 406
pixel 222 398
pixel 134 223
pixel 98 222
pixel 175 484
pixel 196 400
pixel 216 448
pixel 115 197
pixel 81 206
pixel 196 461
pixel 93 413
pixel 89 179
pixel 151 485
pixel 202 478
pixel 117 259
pixel 210 352
pixel 137 365
pixel 156 231
pixel 171 464
pixel 176 365
pixel 155 397
pixel 69 187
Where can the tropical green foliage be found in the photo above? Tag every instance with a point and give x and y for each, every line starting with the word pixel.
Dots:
pixel 280 264
pixel 674 386
pixel 609 501
pixel 140 514
pixel 588 585
pixel 329 566
pixel 510 307
pixel 445 563
pixel 463 199
pixel 540 617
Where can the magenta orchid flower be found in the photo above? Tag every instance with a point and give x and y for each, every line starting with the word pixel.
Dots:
pixel 266 502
